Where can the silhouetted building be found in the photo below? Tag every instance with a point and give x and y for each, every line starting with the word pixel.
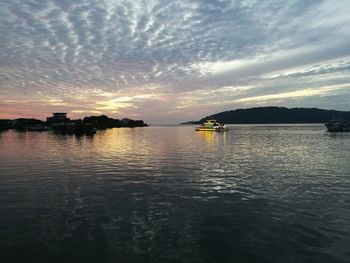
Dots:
pixel 57 117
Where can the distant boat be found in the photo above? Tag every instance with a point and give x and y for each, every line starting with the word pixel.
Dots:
pixel 212 125
pixel 338 126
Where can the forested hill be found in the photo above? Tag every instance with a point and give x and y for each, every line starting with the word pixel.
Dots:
pixel 278 115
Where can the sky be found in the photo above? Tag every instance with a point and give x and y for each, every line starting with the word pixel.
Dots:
pixel 167 62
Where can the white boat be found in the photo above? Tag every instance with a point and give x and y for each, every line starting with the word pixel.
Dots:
pixel 212 125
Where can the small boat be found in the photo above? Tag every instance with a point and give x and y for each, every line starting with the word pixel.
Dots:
pixel 212 125
pixel 338 126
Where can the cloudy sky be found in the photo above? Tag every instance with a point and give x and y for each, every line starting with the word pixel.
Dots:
pixel 171 61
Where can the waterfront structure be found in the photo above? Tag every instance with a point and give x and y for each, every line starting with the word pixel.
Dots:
pixel 58 117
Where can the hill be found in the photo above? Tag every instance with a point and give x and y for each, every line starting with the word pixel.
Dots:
pixel 189 122
pixel 277 115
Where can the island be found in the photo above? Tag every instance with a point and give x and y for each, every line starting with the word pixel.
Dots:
pixel 275 115
pixel 60 123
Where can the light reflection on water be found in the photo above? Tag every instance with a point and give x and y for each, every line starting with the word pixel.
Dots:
pixel 170 194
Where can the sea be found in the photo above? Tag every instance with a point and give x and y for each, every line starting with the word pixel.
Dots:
pixel 257 193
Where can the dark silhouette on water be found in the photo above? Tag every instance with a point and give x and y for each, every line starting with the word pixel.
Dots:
pixel 338 126
pixel 104 122
pixel 21 124
pixel 60 123
pixel 263 115
pixel 4 125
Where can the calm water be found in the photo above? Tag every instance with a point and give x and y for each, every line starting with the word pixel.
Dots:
pixel 170 194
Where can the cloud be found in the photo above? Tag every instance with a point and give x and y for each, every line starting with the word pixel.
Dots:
pixel 298 93
pixel 175 54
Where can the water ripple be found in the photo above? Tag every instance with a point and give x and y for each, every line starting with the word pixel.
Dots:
pixel 170 194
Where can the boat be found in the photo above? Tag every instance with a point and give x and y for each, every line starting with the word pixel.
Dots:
pixel 338 126
pixel 212 125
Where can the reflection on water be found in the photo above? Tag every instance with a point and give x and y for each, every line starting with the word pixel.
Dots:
pixel 212 138
pixel 170 194
pixel 208 136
